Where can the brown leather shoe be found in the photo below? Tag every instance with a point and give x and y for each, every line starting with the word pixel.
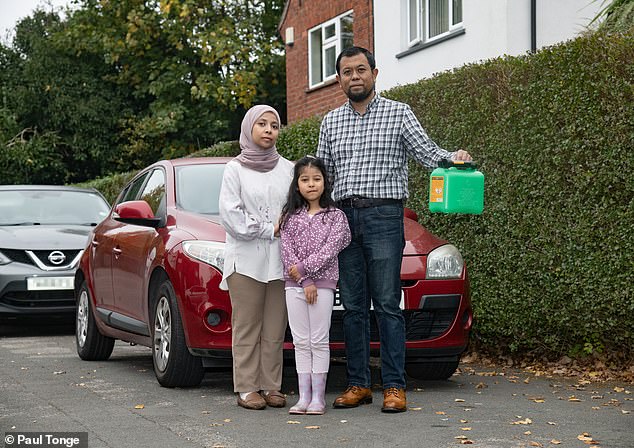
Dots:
pixel 353 396
pixel 274 398
pixel 394 400
pixel 252 401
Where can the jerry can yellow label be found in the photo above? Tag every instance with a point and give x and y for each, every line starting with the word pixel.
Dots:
pixel 436 189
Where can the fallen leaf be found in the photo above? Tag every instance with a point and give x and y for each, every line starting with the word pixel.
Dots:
pixel 555 442
pixel 293 422
pixel 481 386
pixel 625 412
pixel 343 421
pixel 535 444
pixel 415 409
pixel 464 421
pixel 573 398
pixel 584 437
pixel 552 423
pixel 527 421
pixel 206 412
pixel 466 442
pixel 227 420
pixel 139 406
pixel 527 380
pixel 312 427
pixel 619 389
pixel 459 400
pixel 460 437
pixel 466 429
pixel 440 413
pixel 527 433
pixel 60 372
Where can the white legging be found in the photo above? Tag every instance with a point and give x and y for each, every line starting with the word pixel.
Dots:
pixel 310 326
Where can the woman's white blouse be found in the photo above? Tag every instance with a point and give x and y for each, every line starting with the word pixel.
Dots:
pixel 250 205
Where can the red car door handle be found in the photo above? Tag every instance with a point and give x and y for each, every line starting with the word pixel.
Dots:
pixel 117 251
pixel 94 243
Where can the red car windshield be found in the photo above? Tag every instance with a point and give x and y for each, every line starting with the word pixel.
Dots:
pixel 198 187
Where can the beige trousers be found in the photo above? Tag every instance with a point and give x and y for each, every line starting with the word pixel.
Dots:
pixel 258 323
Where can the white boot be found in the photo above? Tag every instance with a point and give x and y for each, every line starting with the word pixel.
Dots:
pixel 305 394
pixel 317 405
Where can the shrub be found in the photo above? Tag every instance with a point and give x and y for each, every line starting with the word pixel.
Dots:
pixel 551 258
pixel 110 186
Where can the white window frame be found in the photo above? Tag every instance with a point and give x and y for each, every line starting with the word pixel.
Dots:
pixel 326 44
pixel 418 16
pixel 422 22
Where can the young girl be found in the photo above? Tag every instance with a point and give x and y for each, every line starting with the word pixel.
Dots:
pixel 312 233
pixel 254 188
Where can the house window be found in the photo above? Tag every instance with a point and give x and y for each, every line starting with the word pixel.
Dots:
pixel 325 42
pixel 429 19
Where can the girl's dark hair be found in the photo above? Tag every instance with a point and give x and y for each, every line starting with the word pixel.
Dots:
pixel 295 201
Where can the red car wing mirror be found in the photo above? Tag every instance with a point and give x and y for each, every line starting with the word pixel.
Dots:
pixel 136 212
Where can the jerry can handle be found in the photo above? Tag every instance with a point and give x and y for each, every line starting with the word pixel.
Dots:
pixel 460 164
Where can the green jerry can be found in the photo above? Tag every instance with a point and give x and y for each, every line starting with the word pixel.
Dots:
pixel 456 187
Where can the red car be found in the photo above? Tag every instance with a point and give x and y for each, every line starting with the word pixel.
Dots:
pixel 150 275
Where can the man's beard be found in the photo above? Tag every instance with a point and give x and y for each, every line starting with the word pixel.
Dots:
pixel 360 96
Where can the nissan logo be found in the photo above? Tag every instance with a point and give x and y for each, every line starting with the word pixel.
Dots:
pixel 56 257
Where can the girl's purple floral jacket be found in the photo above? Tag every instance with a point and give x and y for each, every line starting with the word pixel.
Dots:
pixel 312 243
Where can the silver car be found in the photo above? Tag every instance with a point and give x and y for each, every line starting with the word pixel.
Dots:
pixel 43 232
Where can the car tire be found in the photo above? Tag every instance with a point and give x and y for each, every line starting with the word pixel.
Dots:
pixel 91 345
pixel 174 366
pixel 431 370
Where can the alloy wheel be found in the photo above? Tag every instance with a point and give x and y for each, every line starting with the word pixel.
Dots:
pixel 82 318
pixel 162 333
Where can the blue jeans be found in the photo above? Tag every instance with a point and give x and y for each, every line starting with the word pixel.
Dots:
pixel 370 272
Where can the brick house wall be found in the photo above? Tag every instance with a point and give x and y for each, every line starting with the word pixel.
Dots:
pixel 302 15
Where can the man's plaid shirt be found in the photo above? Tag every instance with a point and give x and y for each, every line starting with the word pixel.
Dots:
pixel 366 155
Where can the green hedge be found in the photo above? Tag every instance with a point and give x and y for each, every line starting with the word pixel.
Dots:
pixel 552 258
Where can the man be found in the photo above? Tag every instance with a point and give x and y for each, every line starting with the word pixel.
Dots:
pixel 365 145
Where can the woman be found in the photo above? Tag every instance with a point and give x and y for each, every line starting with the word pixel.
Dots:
pixel 252 195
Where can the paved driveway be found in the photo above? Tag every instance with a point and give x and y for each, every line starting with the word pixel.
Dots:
pixel 44 386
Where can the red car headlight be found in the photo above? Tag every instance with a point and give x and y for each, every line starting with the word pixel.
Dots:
pixel 210 252
pixel 444 262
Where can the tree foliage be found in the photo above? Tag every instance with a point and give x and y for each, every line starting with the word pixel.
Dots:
pixel 119 84
pixel 193 67
pixel 55 106
pixel 617 15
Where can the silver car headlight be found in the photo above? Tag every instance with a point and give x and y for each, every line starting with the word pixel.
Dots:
pixel 4 259
pixel 210 252
pixel 444 262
